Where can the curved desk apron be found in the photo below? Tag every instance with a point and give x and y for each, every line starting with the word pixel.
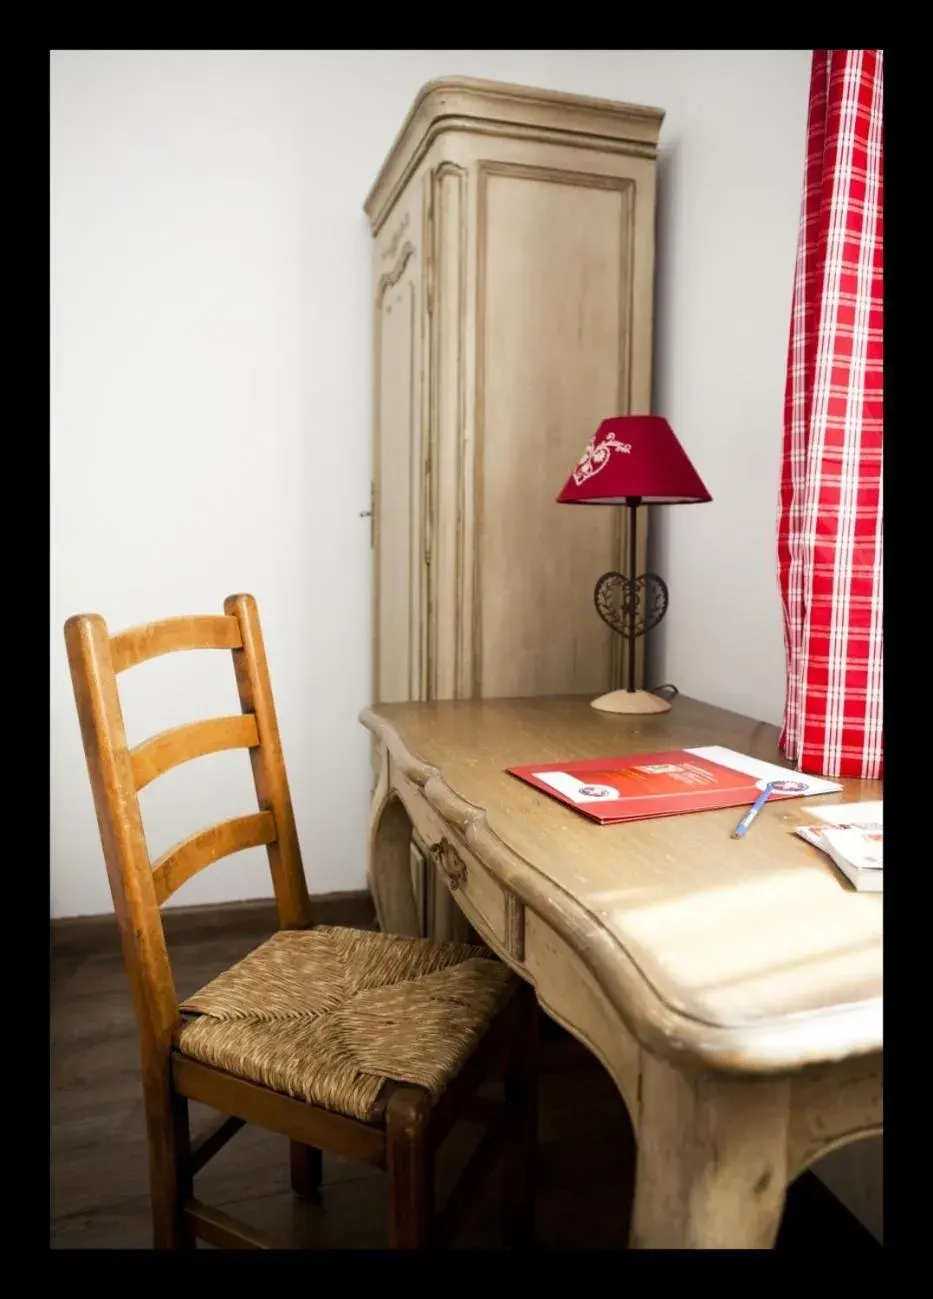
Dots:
pixel 732 988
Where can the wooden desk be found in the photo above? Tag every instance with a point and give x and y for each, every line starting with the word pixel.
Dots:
pixel 733 989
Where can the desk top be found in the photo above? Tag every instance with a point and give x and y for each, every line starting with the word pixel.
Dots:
pixel 755 954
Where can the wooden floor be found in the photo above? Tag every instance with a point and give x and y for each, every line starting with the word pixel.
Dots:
pixel 98 1149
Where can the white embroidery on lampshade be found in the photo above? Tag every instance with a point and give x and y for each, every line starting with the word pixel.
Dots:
pixel 596 457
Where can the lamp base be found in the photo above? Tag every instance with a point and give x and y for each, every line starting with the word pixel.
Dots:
pixel 631 701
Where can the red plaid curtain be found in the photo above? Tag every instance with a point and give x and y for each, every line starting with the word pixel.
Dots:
pixel 830 521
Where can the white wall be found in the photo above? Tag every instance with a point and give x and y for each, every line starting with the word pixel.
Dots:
pixel 211 406
pixel 211 403
pixel 730 179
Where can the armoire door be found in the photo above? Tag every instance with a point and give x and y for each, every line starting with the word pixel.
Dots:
pixel 539 273
pixel 400 485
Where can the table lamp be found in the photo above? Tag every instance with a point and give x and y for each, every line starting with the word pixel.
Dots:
pixel 633 460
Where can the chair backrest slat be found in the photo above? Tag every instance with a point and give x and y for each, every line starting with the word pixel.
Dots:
pixel 207 846
pixel 117 774
pixel 138 644
pixel 268 762
pixel 162 752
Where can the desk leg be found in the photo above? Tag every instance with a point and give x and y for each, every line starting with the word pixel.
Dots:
pixel 389 868
pixel 711 1169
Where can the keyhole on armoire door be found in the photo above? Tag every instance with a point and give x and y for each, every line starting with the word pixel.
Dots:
pixel 370 514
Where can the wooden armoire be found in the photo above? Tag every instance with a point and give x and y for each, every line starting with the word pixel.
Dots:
pixel 514 270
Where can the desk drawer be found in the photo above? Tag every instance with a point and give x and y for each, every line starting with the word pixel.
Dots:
pixel 477 894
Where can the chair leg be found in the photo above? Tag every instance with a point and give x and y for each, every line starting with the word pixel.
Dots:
pixel 411 1169
pixel 307 1169
pixel 170 1180
pixel 521 1095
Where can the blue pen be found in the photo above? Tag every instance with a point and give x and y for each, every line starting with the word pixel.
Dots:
pixel 748 818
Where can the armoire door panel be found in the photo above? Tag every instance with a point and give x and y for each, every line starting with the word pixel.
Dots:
pixel 398 479
pixel 554 255
pixel 449 577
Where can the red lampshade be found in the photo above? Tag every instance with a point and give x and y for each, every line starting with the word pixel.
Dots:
pixel 634 455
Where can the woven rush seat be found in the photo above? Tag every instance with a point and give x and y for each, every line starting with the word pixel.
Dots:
pixel 330 1015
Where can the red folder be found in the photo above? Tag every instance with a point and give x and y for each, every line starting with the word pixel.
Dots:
pixel 644 785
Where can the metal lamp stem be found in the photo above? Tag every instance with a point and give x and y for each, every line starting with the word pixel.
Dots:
pixel 633 503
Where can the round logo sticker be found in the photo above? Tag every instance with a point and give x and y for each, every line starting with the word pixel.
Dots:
pixel 789 786
pixel 598 791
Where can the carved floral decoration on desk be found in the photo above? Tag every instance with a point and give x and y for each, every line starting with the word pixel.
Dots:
pixel 450 865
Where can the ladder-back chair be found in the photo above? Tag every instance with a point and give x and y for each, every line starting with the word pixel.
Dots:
pixel 363 1044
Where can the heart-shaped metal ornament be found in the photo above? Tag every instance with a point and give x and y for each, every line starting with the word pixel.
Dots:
pixel 631 608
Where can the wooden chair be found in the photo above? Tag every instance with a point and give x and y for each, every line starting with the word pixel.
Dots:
pixel 367 1045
